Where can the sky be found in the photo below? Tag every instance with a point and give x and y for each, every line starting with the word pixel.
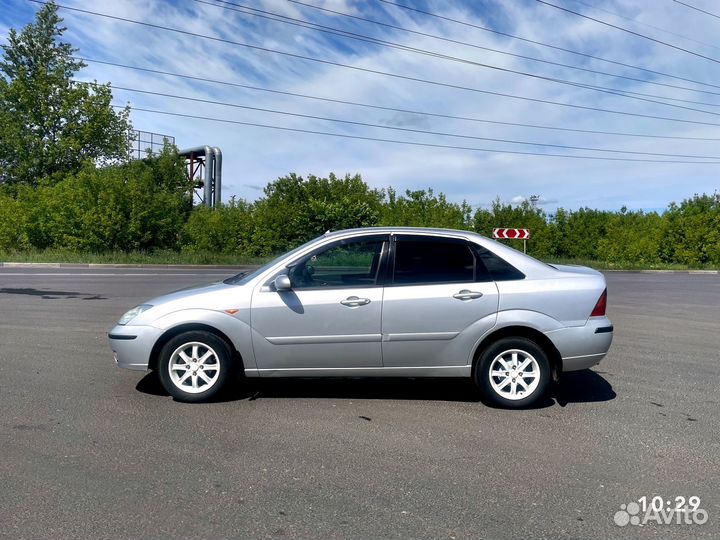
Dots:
pixel 254 156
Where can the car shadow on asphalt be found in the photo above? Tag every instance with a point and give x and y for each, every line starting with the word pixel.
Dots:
pixel 584 386
pixel 575 387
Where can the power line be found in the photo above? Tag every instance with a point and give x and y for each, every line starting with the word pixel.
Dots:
pixel 411 143
pixel 542 44
pixel 632 32
pixel 697 9
pixel 385 73
pixel 246 10
pixel 635 21
pixel 706 103
pixel 394 109
pixel 334 31
pixel 515 55
pixel 404 129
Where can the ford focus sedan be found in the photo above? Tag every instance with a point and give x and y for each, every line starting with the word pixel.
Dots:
pixel 379 302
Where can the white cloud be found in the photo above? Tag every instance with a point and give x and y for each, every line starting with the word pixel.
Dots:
pixel 254 156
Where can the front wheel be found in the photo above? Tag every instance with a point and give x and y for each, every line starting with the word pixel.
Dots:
pixel 513 373
pixel 194 366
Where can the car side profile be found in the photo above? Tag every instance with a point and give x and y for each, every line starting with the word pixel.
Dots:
pixel 380 302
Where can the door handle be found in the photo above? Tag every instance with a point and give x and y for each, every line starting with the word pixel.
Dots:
pixel 353 301
pixel 467 295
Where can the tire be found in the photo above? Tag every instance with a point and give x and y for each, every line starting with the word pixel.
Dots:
pixel 194 366
pixel 503 385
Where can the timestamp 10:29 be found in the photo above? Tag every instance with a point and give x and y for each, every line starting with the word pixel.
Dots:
pixel 658 503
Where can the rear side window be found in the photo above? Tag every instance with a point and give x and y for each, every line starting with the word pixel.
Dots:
pixel 428 260
pixel 499 269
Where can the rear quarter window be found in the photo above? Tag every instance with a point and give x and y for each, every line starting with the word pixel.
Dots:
pixel 499 269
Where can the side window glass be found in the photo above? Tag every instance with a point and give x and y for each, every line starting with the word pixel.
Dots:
pixel 347 264
pixel 498 268
pixel 432 261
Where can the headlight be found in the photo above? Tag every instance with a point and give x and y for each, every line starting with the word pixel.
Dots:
pixel 134 312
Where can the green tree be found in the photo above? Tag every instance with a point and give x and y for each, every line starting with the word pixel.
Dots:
pixel 520 216
pixel 576 234
pixel 295 210
pixel 51 125
pixel 13 223
pixel 691 232
pixel 422 208
pixel 120 207
pixel 227 229
pixel 632 237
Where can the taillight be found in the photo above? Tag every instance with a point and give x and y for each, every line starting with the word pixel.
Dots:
pixel 601 306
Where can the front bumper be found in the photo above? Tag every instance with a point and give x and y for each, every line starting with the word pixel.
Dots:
pixel 582 347
pixel 132 345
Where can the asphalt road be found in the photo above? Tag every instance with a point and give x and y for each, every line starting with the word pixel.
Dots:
pixel 91 451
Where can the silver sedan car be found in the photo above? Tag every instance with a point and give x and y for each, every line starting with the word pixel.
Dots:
pixel 378 302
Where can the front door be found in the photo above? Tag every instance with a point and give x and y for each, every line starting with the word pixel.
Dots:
pixel 330 319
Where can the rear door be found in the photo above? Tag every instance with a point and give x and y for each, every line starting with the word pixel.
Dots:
pixel 438 301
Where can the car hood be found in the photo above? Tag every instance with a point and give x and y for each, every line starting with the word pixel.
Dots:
pixel 213 296
pixel 191 294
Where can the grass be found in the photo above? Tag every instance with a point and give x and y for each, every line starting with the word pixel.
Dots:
pixel 132 257
pixel 186 258
pixel 628 265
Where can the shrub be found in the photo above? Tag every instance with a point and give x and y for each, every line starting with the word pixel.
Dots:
pixel 226 229
pixel 691 231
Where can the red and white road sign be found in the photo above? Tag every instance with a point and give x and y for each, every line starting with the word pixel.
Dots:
pixel 515 234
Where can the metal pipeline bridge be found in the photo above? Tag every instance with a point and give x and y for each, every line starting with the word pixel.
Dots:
pixel 205 164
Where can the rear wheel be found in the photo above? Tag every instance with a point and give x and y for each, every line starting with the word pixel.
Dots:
pixel 513 372
pixel 194 366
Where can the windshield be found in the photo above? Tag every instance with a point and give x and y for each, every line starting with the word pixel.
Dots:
pixel 245 277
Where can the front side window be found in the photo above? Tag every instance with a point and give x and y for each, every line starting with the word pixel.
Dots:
pixel 430 260
pixel 349 263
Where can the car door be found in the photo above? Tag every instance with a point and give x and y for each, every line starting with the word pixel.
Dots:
pixel 438 301
pixel 330 318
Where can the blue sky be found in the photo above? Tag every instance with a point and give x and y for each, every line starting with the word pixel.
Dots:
pixel 254 156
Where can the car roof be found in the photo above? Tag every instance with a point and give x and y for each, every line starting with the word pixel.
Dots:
pixel 386 229
pixel 527 264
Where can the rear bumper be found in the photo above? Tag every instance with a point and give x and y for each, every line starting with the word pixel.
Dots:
pixel 582 347
pixel 132 345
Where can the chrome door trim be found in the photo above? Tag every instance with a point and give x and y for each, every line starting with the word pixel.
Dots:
pixel 315 340
pixel 419 336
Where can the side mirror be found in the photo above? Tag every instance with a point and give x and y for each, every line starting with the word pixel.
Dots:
pixel 282 283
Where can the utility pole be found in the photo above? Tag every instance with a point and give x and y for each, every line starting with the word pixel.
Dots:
pixel 534 201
